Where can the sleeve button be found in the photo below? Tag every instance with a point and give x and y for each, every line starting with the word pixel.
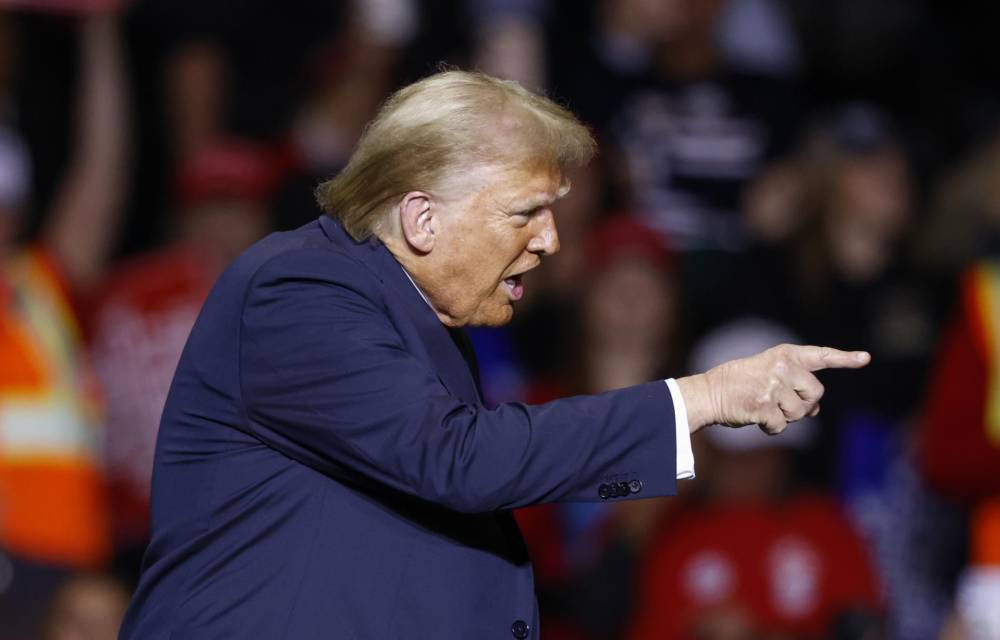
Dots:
pixel 604 491
pixel 623 489
pixel 635 486
pixel 520 629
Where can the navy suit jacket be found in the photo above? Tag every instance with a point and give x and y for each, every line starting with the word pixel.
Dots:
pixel 325 467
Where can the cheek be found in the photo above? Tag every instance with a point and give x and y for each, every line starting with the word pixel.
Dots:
pixel 489 264
pixel 475 292
pixel 484 255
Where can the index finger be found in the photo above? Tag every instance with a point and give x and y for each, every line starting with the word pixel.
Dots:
pixel 816 358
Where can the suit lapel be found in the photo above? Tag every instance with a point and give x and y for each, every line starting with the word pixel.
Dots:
pixel 449 365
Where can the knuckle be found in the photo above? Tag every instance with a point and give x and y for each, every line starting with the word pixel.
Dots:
pixel 763 401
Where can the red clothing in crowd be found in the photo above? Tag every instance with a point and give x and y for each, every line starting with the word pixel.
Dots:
pixel 139 327
pixel 789 566
pixel 960 434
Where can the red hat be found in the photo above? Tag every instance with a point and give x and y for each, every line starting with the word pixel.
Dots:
pixel 229 169
pixel 624 236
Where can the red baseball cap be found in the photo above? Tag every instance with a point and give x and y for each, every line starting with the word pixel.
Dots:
pixel 228 169
pixel 625 236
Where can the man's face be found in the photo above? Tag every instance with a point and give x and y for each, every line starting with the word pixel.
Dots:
pixel 485 241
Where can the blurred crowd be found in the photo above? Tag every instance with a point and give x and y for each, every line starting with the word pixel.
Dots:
pixel 769 171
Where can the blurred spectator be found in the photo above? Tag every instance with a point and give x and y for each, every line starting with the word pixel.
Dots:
pixel 148 306
pixel 754 558
pixel 236 66
pixel 629 326
pixel 832 221
pixel 629 313
pixel 624 34
pixel 964 220
pixel 196 85
pixel 960 429
pixel 348 79
pixel 86 607
pixel 698 129
pixel 759 35
pixel 53 513
pixel 847 281
pixel 773 203
pixel 510 39
pixel 959 445
pixel 602 54
pixel 686 130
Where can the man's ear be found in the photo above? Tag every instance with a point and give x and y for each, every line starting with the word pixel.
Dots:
pixel 416 219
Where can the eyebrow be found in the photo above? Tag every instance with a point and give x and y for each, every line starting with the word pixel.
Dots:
pixel 533 202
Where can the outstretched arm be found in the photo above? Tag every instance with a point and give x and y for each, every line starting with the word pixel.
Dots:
pixel 83 223
pixel 329 381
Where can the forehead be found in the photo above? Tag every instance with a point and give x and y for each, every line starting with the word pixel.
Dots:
pixel 525 187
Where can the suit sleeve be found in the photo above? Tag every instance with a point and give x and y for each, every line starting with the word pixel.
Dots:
pixel 327 380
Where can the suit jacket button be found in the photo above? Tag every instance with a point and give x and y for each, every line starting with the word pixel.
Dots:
pixel 604 491
pixel 635 486
pixel 520 629
pixel 623 488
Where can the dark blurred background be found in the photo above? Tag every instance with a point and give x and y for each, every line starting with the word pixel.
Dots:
pixel 769 171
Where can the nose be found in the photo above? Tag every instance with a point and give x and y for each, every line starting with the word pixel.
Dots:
pixel 546 238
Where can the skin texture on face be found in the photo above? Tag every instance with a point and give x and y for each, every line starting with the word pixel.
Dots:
pixel 467 253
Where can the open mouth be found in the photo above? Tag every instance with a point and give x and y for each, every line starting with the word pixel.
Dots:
pixel 514 286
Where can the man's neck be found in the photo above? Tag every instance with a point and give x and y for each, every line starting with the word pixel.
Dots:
pixel 417 287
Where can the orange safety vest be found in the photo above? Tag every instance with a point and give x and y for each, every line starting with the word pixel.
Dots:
pixel 53 507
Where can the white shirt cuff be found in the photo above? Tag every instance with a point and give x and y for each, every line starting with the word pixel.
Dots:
pixel 685 458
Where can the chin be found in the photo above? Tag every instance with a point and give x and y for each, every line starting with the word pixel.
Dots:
pixel 496 317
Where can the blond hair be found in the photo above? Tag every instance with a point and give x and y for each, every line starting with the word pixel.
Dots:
pixel 429 133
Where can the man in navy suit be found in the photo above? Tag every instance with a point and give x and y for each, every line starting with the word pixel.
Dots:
pixel 325 466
